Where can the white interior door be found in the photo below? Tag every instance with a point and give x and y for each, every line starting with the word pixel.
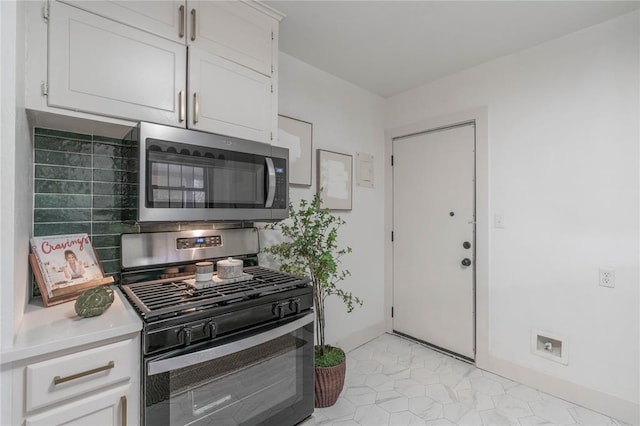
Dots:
pixel 433 248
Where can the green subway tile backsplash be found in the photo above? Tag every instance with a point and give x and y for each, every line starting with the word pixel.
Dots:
pixel 106 228
pixel 108 188
pixel 107 215
pixel 114 163
pixel 114 201
pixel 63 173
pixel 106 240
pixel 61 187
pixel 62 158
pixel 113 176
pixel 43 201
pixel 61 215
pixel 51 143
pixel 85 183
pixel 62 134
pixel 41 229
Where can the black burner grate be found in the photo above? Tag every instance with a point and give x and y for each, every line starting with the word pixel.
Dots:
pixel 161 298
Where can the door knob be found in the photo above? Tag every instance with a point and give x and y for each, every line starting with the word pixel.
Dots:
pixel 466 261
pixel 466 245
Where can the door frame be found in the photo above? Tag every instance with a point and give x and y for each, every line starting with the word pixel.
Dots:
pixel 480 117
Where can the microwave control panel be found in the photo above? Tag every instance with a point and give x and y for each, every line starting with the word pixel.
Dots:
pixel 199 242
pixel 280 199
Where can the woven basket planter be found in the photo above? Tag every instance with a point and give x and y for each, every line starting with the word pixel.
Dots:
pixel 328 384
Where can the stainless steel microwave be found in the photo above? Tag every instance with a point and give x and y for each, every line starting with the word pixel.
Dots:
pixel 187 175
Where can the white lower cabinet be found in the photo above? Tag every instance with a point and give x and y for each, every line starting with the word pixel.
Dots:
pixel 103 409
pixel 90 386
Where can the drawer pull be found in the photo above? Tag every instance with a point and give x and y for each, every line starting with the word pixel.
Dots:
pixel 123 402
pixel 59 380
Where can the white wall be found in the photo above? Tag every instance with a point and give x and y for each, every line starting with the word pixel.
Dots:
pixel 16 186
pixel 348 120
pixel 563 170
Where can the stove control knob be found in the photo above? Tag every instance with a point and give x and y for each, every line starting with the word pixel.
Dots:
pixel 294 305
pixel 210 329
pixel 185 336
pixel 278 309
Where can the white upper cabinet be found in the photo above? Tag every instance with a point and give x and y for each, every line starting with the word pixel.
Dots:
pixel 165 18
pixel 128 60
pixel 228 98
pixel 235 31
pixel 100 66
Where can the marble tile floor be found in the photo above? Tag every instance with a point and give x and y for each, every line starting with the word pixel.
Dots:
pixel 395 381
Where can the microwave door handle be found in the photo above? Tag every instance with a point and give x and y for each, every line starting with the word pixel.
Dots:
pixel 271 176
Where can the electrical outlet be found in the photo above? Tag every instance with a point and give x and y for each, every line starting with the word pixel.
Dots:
pixel 498 221
pixel 607 277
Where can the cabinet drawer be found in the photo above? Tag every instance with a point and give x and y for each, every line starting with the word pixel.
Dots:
pixel 60 378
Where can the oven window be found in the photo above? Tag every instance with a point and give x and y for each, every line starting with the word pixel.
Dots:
pixel 265 382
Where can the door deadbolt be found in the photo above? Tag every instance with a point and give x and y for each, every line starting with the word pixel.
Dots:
pixel 466 245
pixel 466 261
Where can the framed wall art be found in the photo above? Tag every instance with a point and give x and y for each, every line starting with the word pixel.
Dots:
pixel 296 135
pixel 334 180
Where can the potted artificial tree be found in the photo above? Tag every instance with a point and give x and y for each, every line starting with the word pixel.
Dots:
pixel 310 248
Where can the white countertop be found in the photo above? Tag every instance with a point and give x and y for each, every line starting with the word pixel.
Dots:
pixel 45 330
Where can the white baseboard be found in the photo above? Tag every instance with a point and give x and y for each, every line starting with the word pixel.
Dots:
pixel 361 337
pixel 609 405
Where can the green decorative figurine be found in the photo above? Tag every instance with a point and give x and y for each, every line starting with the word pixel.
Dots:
pixel 94 301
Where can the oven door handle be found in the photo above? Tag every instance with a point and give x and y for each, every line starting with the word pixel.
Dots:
pixel 182 361
pixel 271 175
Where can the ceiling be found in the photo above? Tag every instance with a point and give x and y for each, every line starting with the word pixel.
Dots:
pixel 388 47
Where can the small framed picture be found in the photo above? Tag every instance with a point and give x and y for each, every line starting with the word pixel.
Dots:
pixel 297 135
pixel 334 180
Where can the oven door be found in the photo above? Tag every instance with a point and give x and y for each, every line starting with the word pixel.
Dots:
pixel 262 377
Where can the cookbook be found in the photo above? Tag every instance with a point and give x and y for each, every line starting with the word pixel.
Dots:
pixel 66 263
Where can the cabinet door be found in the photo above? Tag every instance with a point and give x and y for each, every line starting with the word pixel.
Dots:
pixel 103 67
pixel 106 408
pixel 233 30
pixel 165 18
pixel 227 98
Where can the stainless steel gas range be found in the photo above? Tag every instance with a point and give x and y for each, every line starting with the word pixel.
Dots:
pixel 228 353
